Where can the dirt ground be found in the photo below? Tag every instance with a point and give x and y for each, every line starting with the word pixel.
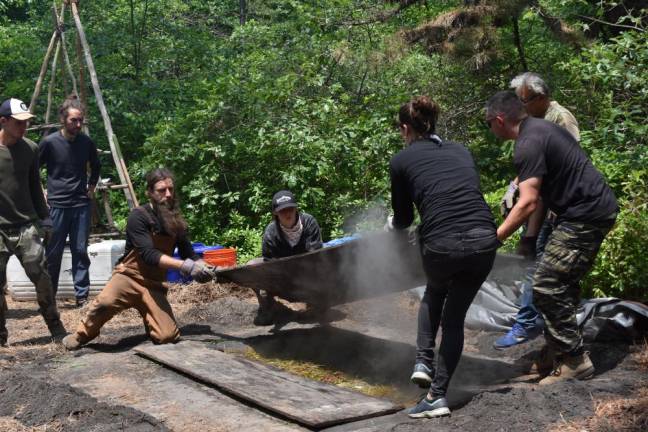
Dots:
pixel 105 387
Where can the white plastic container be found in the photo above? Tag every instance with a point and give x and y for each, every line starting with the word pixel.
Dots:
pixel 103 257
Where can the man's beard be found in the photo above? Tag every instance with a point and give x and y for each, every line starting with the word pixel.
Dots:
pixel 172 221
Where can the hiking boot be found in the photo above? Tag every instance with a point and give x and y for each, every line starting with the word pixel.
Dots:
pixel 422 375
pixel 570 367
pixel 437 407
pixel 71 343
pixel 517 335
pixel 57 330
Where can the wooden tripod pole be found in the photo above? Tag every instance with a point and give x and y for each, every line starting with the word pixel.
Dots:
pixel 68 65
pixel 112 139
pixel 43 70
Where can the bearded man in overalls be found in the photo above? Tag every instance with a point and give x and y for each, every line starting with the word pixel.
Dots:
pixel 153 231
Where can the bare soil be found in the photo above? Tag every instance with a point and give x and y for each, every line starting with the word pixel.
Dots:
pixel 104 387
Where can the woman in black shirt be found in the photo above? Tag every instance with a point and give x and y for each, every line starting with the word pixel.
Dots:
pixel 457 237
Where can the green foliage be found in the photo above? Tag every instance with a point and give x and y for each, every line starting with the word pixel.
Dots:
pixel 304 96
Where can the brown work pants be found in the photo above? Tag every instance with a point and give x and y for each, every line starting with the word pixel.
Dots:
pixel 122 292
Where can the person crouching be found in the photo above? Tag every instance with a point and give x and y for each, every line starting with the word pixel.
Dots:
pixel 153 231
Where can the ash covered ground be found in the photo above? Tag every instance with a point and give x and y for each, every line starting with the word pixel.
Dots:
pixel 105 387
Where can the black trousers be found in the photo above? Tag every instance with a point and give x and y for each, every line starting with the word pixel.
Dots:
pixel 456 266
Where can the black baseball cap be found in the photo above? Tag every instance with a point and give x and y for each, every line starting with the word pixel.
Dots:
pixel 283 199
pixel 15 108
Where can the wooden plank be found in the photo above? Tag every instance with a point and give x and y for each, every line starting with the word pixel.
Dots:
pixel 375 264
pixel 307 402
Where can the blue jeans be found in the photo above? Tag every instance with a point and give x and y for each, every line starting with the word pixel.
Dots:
pixel 455 266
pixel 528 316
pixel 75 222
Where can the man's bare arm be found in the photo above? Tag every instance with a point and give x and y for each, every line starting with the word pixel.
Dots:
pixel 526 205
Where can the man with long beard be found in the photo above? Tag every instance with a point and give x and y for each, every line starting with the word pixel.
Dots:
pixel 152 232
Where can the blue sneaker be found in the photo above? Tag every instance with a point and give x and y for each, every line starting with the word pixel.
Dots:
pixel 422 375
pixel 437 407
pixel 515 336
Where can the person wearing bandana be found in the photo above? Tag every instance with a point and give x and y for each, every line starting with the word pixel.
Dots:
pixel 290 233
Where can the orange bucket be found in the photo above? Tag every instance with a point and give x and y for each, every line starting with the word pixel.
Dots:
pixel 225 257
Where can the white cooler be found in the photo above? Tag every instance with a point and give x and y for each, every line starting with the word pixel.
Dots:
pixel 103 257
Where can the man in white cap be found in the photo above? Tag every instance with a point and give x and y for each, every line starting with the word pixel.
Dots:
pixel 22 205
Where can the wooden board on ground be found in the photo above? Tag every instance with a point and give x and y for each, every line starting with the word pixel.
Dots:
pixel 372 265
pixel 305 401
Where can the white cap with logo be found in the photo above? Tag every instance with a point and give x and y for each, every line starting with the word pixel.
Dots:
pixel 15 108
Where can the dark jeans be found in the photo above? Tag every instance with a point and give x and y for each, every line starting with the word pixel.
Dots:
pixel 75 222
pixel 528 316
pixel 456 266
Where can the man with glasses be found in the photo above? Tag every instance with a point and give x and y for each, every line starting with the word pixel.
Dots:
pixel 554 171
pixel 21 206
pixel 535 95
pixel 66 154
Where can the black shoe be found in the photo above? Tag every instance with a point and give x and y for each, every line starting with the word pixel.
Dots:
pixel 57 330
pixel 81 301
pixel 264 317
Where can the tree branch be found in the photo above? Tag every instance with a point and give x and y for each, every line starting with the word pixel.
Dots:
pixel 612 24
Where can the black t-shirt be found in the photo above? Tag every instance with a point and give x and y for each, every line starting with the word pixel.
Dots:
pixel 66 163
pixel 571 186
pixel 139 227
pixel 442 180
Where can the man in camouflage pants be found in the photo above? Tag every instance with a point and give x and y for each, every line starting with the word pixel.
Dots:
pixel 22 204
pixel 534 93
pixel 554 171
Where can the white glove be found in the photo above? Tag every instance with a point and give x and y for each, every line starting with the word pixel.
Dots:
pixel 389 225
pixel 509 199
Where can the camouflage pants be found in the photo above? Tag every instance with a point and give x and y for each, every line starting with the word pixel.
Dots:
pixel 568 256
pixel 25 243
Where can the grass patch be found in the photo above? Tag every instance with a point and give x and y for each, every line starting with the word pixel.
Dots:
pixel 322 374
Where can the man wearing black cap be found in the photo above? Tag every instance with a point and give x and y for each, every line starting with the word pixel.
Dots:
pixel 290 233
pixel 22 204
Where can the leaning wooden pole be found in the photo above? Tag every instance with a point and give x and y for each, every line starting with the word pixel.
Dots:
pixel 68 65
pixel 50 89
pixel 112 139
pixel 43 70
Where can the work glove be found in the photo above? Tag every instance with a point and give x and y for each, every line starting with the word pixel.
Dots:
pixel 527 247
pixel 199 270
pixel 509 199
pixel 389 225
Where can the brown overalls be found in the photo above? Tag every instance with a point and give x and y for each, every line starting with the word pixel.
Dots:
pixel 138 285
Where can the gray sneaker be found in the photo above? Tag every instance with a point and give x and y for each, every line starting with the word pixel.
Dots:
pixel 422 375
pixel 437 407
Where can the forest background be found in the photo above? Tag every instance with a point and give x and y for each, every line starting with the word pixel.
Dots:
pixel 242 98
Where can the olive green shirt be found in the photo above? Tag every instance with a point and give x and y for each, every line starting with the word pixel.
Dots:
pixel 21 195
pixel 561 116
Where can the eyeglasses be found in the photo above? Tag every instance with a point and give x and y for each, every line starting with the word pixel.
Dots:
pixel 488 121
pixel 529 99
